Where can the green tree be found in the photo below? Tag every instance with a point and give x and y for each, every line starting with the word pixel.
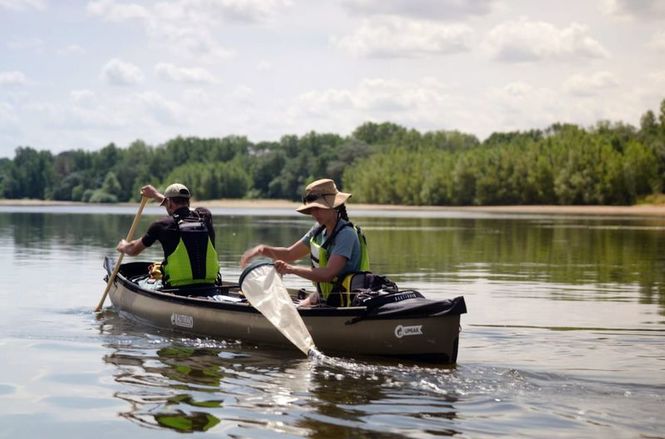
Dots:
pixel 375 133
pixel 111 184
pixel 30 175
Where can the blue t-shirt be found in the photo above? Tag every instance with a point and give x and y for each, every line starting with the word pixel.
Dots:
pixel 345 243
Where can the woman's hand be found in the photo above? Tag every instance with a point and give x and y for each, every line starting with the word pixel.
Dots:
pixel 311 300
pixel 282 267
pixel 249 254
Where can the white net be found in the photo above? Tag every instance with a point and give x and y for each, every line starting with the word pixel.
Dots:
pixel 264 289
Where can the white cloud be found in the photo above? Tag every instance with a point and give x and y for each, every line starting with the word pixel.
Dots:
pixel 7 115
pixel 523 106
pixel 519 105
pixel 25 43
pixel 84 97
pixel 635 9
pixel 658 76
pixel 170 72
pixel 515 90
pixel 245 10
pixel 188 41
pixel 118 72
pixel 112 11
pixel 212 12
pixel 72 49
pixel 19 5
pixel 524 40
pixel 12 78
pixel 423 103
pixel 590 85
pixel 319 103
pixel 379 97
pixel 243 93
pixel 189 26
pixel 163 110
pixel 109 114
pixel 197 98
pixel 89 117
pixel 46 103
pixel 391 36
pixel 658 41
pixel 264 66
pixel 430 9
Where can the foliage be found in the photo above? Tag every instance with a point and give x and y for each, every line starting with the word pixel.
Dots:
pixel 213 180
pixel 608 163
pixel 567 166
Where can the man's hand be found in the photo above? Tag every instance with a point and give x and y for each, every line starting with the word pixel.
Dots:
pixel 122 246
pixel 132 248
pixel 149 191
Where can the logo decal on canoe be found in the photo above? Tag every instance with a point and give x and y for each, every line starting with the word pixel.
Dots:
pixel 403 331
pixel 182 320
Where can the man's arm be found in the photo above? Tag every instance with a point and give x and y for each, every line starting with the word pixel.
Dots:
pixel 149 191
pixel 131 248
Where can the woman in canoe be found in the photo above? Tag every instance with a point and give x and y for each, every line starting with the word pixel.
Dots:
pixel 336 247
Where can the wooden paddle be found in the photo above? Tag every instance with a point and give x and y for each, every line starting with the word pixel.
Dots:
pixel 130 235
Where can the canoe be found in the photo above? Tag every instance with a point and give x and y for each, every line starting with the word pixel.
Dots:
pixel 407 326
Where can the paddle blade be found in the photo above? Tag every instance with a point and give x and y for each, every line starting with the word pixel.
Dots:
pixel 264 289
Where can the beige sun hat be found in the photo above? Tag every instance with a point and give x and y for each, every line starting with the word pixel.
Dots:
pixel 324 194
pixel 176 190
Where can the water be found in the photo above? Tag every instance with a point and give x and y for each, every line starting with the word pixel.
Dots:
pixel 564 335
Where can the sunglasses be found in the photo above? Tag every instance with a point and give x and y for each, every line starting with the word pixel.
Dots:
pixel 310 198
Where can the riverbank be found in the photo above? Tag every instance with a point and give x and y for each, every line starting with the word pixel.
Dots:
pixel 637 210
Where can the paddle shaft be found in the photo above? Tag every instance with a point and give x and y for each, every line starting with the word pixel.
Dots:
pixel 130 235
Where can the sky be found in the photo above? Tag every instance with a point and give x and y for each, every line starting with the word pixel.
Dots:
pixel 82 74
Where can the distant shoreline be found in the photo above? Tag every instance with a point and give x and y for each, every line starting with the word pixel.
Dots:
pixel 637 210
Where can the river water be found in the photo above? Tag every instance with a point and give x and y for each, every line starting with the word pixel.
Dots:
pixel 564 336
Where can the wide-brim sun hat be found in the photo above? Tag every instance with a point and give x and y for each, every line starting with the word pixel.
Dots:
pixel 176 190
pixel 323 194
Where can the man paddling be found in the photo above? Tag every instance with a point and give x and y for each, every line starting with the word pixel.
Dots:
pixel 187 237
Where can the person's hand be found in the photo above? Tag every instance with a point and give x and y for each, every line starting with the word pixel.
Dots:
pixel 249 254
pixel 149 191
pixel 282 267
pixel 122 245
pixel 311 300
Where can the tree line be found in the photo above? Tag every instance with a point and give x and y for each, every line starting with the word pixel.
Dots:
pixel 608 163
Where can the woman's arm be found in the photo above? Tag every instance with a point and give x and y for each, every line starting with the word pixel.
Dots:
pixel 324 274
pixel 297 251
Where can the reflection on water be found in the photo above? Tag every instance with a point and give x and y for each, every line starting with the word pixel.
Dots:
pixel 603 252
pixel 193 385
pixel 565 336
pixel 192 367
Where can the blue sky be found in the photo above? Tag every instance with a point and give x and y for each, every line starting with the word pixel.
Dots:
pixel 77 74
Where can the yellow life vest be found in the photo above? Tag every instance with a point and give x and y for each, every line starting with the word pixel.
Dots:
pixel 319 255
pixel 195 260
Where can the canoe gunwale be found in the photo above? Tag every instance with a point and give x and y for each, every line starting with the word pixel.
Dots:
pixel 205 302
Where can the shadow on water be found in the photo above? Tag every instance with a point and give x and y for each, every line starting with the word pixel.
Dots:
pixel 191 384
